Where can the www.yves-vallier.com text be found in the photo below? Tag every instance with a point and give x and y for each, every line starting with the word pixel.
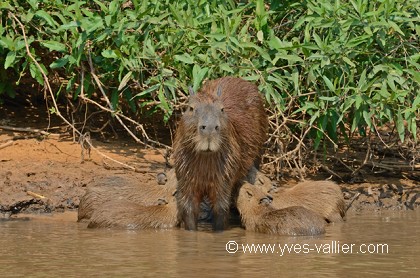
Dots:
pixel 332 247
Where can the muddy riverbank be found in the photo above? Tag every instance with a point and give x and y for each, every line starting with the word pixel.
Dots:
pixel 47 175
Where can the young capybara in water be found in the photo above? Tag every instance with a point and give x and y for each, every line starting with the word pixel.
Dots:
pixel 123 214
pixel 123 188
pixel 322 197
pixel 259 215
pixel 218 140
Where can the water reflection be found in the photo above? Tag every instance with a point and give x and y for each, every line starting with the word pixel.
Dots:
pixel 52 247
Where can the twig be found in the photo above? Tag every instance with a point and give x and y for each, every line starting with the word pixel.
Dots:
pixel 35 195
pixel 24 129
pixel 324 167
pixel 6 144
pixel 352 200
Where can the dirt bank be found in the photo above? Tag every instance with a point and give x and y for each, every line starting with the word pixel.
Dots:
pixel 48 175
pixel 43 175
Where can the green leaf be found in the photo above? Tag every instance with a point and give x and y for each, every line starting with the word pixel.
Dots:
pixel 349 62
pixel 260 36
pixel 185 58
pixel 124 81
pixel 395 27
pixel 59 63
pixel 226 67
pixel 109 53
pixel 45 16
pixel 367 118
pixel 6 6
pixel 70 25
pixel 328 83
pixel 148 91
pixel 198 76
pixel 113 7
pixel 163 103
pixel 318 41
pixel 362 81
pixel 54 46
pixel 416 102
pixel 36 73
pixel 10 58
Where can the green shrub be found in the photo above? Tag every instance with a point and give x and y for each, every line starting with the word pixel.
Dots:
pixel 329 67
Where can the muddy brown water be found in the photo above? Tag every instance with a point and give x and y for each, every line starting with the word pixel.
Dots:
pixel 59 246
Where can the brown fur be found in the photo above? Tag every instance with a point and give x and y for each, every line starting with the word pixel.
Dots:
pixel 232 111
pixel 114 188
pixel 258 215
pixel 322 197
pixel 128 215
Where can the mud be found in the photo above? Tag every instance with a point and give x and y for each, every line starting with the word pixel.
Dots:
pixel 46 175
pixel 43 176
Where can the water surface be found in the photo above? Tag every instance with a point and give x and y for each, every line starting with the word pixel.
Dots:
pixel 59 246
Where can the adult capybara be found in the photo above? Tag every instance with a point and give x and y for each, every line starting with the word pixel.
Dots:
pixel 122 214
pixel 322 197
pixel 124 188
pixel 259 215
pixel 217 141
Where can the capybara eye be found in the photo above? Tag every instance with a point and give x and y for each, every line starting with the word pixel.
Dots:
pixel 223 109
pixel 190 108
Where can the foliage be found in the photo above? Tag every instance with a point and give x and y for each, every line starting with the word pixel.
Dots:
pixel 331 67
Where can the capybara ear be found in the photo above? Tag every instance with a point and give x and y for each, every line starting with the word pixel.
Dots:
pixel 161 178
pixel 191 90
pixel 162 202
pixel 266 200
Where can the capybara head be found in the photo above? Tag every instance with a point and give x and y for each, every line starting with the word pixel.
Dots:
pixel 205 121
pixel 252 202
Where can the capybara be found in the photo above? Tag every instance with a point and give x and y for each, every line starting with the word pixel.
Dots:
pixel 322 197
pixel 122 214
pixel 259 215
pixel 124 188
pixel 218 139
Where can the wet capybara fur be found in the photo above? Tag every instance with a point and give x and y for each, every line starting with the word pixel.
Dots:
pixel 116 188
pixel 259 215
pixel 218 139
pixel 322 197
pixel 121 214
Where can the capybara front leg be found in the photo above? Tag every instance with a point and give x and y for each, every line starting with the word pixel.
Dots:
pixel 221 213
pixel 221 204
pixel 219 220
pixel 190 215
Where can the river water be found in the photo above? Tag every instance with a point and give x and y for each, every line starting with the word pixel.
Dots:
pixel 384 244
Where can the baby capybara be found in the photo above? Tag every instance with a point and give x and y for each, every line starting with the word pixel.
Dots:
pixel 322 197
pixel 218 140
pixel 258 215
pixel 123 188
pixel 123 214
